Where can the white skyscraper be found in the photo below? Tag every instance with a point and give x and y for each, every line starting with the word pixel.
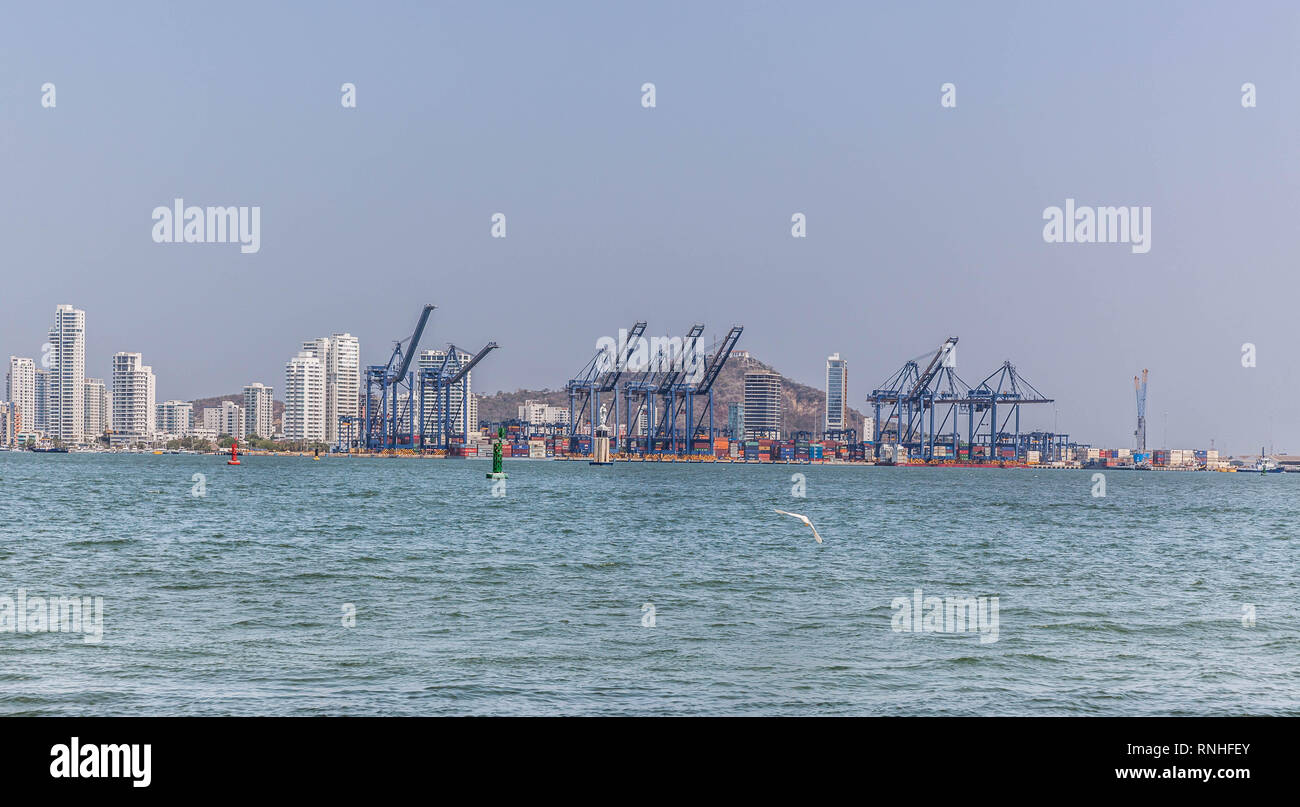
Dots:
pixel 837 384
pixel 340 356
pixel 67 408
pixel 259 411
pixel 304 398
pixel 20 390
pixel 98 417
pixel 344 380
pixel 175 418
pixel 319 349
pixel 134 413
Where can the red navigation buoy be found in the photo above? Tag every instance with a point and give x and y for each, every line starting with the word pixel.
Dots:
pixel 234 453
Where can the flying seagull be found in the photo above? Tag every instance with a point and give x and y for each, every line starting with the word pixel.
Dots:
pixel 805 520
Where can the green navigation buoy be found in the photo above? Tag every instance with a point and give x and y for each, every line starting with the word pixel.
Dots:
pixel 497 473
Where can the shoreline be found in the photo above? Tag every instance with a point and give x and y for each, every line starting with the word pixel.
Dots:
pixel 669 459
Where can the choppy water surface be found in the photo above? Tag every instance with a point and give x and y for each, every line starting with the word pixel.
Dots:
pixel 232 603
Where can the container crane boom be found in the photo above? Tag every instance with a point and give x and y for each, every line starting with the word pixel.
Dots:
pixel 414 343
pixel 469 365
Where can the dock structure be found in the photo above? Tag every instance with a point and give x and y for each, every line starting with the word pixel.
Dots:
pixel 924 409
pixel 661 386
pixel 394 392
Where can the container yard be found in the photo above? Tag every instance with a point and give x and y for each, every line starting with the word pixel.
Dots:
pixel 925 415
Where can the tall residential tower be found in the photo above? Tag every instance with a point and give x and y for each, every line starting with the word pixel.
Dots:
pixel 304 399
pixel 67 383
pixel 134 412
pixel 99 413
pixel 258 411
pixel 340 358
pixel 20 390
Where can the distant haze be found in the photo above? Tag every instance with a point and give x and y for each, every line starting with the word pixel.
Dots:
pixel 922 221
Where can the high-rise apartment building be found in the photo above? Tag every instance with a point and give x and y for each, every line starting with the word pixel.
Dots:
pixel 259 411
pixel 837 383
pixel 340 356
pixel 344 373
pixel 762 405
pixel 20 390
pixel 41 418
pixel 67 382
pixel 304 399
pixel 134 411
pixel 98 417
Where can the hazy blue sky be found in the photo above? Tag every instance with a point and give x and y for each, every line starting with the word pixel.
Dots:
pixel 923 222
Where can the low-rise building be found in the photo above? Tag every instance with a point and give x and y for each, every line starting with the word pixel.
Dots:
pixel 540 413
pixel 227 419
pixel 175 418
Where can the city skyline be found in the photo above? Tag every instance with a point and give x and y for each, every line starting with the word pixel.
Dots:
pixel 55 397
pixel 337 357
pixel 919 208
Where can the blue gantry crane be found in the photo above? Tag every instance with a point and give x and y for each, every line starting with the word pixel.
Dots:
pixel 912 399
pixel 609 379
pixel 390 395
pixel 641 389
pixel 663 385
pixel 695 380
pixel 658 379
pixel 1006 387
pixel 601 375
pixel 671 359
pixel 915 394
pixel 436 386
pixel 393 393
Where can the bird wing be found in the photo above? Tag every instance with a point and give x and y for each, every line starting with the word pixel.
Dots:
pixel 804 519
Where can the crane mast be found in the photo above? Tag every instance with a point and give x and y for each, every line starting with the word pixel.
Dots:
pixel 1140 387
